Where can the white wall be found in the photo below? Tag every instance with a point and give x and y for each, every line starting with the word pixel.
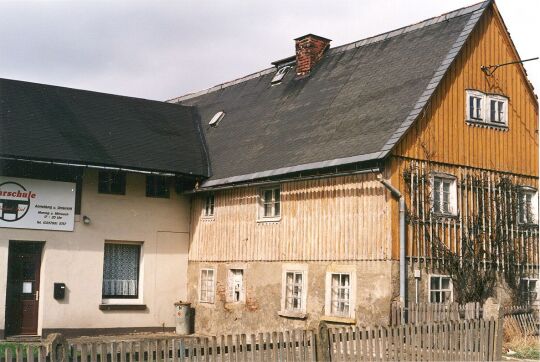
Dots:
pixel 76 258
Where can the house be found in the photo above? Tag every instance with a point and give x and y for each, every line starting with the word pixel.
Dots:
pixel 94 228
pixel 325 187
pixel 337 173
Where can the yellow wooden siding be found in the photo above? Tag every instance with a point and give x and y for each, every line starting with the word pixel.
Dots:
pixel 469 201
pixel 340 218
pixel 442 131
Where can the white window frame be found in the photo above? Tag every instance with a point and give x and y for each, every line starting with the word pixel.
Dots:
pixel 340 270
pixel 140 287
pixel 261 217
pixel 532 218
pixel 497 98
pixel 440 290
pixel 452 198
pixel 205 210
pixel 230 285
pixel 474 93
pixel 296 269
pixel 211 300
pixel 528 281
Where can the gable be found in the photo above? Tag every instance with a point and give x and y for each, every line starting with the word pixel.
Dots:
pixel 442 133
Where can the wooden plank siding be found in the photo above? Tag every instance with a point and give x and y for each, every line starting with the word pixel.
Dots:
pixel 339 218
pixel 442 136
pixel 442 131
pixel 484 201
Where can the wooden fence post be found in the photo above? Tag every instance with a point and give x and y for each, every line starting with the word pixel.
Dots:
pixel 499 337
pixel 323 343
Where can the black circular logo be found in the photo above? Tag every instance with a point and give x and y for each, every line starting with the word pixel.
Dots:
pixel 14 201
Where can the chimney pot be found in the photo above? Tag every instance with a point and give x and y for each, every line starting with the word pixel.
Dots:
pixel 309 50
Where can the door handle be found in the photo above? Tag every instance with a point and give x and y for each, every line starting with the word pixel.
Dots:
pixel 37 295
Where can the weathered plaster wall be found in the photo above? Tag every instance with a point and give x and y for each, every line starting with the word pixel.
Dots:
pixel 76 258
pixel 374 291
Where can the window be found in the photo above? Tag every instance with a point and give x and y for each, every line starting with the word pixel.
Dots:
pixel 209 205
pixel 280 74
pixel 444 199
pixel 112 182
pixel 216 119
pixel 294 290
pixel 157 186
pixel 527 289
pixel 235 286
pixel 270 203
pixel 528 206
pixel 487 108
pixel 475 105
pixel 339 295
pixel 121 270
pixel 207 286
pixel 440 289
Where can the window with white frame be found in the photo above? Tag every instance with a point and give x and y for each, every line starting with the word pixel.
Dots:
pixel 440 289
pixel 340 291
pixel 209 204
pixel 294 288
pixel 444 190
pixel 487 108
pixel 527 289
pixel 528 206
pixel 475 105
pixel 207 285
pixel 235 286
pixel 121 262
pixel 270 203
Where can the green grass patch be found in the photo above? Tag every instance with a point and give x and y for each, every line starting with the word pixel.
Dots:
pixel 12 346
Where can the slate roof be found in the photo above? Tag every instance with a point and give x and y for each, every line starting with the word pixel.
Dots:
pixel 356 104
pixel 43 122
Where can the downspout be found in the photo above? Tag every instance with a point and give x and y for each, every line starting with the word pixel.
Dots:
pixel 402 241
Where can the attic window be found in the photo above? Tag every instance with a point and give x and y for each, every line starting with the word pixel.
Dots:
pixel 216 119
pixel 280 74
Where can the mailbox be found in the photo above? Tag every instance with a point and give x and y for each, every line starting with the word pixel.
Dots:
pixel 59 291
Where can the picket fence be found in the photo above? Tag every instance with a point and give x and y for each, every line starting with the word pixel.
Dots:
pixel 433 312
pixel 294 345
pixel 466 340
pixel 521 320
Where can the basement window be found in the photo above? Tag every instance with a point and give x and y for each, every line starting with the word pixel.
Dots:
pixel 440 289
pixel 280 74
pixel 444 199
pixel 207 285
pixel 216 119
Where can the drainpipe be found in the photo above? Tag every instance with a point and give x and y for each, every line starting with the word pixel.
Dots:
pixel 402 241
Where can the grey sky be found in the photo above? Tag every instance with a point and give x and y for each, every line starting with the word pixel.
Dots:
pixel 160 50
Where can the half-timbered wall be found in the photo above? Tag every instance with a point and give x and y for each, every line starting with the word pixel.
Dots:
pixel 339 218
pixel 441 133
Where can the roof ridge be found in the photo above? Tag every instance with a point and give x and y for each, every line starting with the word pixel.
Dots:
pixel 341 48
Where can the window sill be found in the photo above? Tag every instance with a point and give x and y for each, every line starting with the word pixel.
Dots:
pixel 269 219
pixel 290 314
pixel 208 218
pixel 442 215
pixel 107 307
pixel 342 320
pixel 482 124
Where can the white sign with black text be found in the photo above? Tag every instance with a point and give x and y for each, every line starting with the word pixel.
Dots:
pixel 36 204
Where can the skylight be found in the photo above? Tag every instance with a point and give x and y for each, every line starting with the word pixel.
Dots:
pixel 280 74
pixel 217 117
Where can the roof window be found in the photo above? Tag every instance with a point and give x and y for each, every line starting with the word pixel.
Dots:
pixel 217 117
pixel 280 74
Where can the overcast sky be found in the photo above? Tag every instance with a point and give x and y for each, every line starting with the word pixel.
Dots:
pixel 163 49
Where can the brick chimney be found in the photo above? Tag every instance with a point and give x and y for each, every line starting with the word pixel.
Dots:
pixel 309 50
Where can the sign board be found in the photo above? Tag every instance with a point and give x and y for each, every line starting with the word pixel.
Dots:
pixel 36 204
